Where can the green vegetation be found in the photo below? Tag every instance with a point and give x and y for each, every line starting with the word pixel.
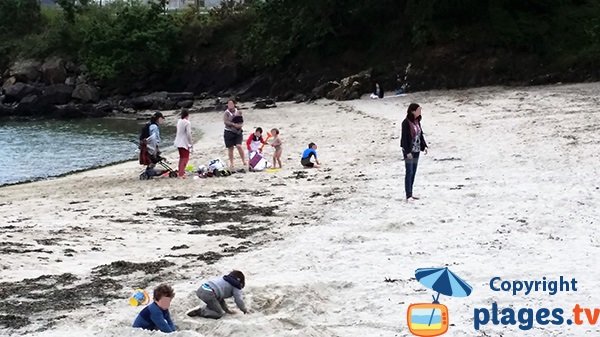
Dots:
pixel 126 39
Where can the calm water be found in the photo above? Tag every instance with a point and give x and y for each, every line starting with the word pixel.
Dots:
pixel 41 149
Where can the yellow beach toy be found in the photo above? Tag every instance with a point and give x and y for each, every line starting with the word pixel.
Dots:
pixel 139 297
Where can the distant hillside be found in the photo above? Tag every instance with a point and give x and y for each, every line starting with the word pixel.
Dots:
pixel 280 48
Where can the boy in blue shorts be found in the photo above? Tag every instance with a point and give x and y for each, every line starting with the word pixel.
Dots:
pixel 308 154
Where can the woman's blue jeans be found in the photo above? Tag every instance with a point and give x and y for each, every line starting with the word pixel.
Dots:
pixel 411 171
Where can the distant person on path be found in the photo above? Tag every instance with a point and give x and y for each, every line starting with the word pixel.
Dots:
pixel 156 316
pixel 183 142
pixel 308 154
pixel 233 134
pixel 277 144
pixel 214 292
pixel 412 143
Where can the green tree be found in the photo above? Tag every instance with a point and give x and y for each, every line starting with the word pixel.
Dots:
pixel 129 39
pixel 19 17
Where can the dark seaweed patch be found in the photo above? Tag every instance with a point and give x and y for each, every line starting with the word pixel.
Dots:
pixel 124 267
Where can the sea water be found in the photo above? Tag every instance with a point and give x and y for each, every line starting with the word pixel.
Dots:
pixel 31 150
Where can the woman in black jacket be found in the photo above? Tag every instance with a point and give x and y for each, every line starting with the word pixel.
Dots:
pixel 412 142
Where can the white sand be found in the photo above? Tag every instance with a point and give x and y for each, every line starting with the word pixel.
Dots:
pixel 510 188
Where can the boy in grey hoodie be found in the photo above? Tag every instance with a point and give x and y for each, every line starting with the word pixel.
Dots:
pixel 215 291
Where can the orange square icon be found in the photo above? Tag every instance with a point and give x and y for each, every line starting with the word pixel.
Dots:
pixel 427 319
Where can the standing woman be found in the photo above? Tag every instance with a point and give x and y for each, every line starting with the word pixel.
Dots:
pixel 233 135
pixel 412 143
pixel 183 141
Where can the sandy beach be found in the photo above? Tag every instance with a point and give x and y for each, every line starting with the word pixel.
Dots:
pixel 510 188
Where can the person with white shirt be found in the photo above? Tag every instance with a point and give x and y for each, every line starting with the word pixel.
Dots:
pixel 183 142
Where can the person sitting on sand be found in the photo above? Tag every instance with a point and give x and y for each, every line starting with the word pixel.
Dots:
pixel 277 144
pixel 156 316
pixel 214 292
pixel 255 141
pixel 307 154
pixel 378 92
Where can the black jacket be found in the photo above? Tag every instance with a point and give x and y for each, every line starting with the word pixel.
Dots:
pixel 406 139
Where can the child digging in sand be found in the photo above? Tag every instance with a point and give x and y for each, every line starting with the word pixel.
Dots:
pixel 214 292
pixel 156 316
pixel 307 154
pixel 276 143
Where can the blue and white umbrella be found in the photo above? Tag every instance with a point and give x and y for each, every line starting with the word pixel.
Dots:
pixel 444 282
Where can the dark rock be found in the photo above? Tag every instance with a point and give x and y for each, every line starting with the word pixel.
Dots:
pixel 6 110
pixel 83 69
pixel 86 93
pixel 104 107
pixel 58 93
pixel 322 90
pixel 204 95
pixel 67 111
pixel 139 103
pixel 34 105
pixel 25 71
pixel 91 110
pixel 167 105
pixel 71 110
pixel 71 67
pixel 185 104
pixel 53 71
pixel 299 98
pixel 352 87
pixel 256 87
pixel 156 100
pixel 9 81
pixel 81 79
pixel 71 81
pixel 265 104
pixel 18 91
pixel 287 96
pixel 180 96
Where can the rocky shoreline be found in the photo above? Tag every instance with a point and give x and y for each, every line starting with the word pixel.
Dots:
pixel 61 89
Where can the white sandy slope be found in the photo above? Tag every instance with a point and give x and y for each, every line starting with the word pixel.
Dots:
pixel 510 188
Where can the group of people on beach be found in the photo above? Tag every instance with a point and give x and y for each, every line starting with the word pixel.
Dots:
pixel 213 292
pixel 233 136
pixel 412 142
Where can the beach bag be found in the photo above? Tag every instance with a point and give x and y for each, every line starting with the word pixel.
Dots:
pixel 215 165
pixel 257 161
pixel 218 169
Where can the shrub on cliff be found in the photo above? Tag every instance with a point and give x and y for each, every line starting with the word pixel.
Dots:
pixel 128 39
